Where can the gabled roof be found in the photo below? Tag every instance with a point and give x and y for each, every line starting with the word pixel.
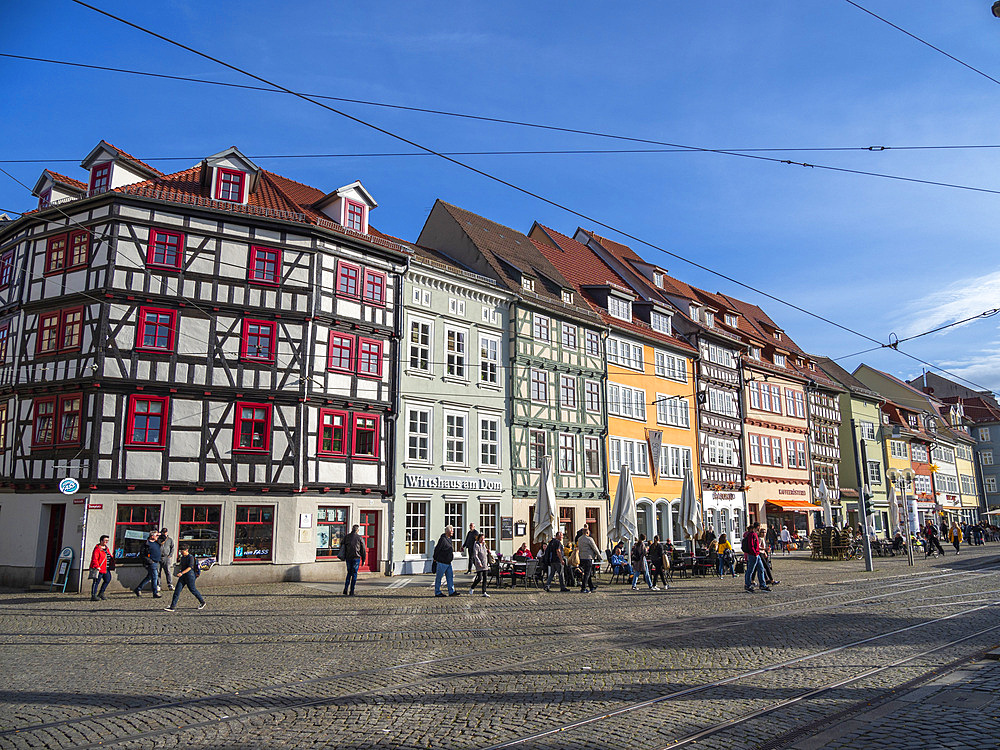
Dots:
pixel 505 249
pixel 139 165
pixel 59 179
pixel 583 269
pixel 842 376
pixel 977 408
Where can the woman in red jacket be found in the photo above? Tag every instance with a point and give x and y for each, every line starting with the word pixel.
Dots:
pixel 102 562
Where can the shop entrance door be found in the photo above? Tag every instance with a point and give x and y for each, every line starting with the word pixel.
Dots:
pixel 369 535
pixel 53 539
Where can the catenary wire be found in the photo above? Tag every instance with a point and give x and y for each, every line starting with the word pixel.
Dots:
pixel 276 88
pixel 525 191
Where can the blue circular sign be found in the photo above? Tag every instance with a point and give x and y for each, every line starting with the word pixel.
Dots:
pixel 69 486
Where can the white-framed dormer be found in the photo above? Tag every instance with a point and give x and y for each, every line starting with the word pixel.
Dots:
pixel 348 206
pixel 54 188
pixel 661 321
pixel 109 167
pixel 620 306
pixel 229 176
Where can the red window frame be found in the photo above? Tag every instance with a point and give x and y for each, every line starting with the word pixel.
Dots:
pixel 55 254
pixel 263 269
pixel 171 242
pixel 253 516
pixel 45 199
pixel 78 252
pixel 345 272
pixel 265 421
pixel 228 182
pixel 369 353
pixel 195 518
pixel 145 313
pixel 142 406
pixel 65 324
pixel 100 178
pixel 339 346
pixel 354 215
pixel 57 409
pixel 6 268
pixel 356 418
pixel 328 424
pixel 249 324
pixel 4 339
pixel 373 291
pixel 137 518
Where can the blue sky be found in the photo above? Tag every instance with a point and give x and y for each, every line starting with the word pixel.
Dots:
pixel 876 255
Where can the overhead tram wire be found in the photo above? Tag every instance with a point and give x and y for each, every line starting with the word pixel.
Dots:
pixel 525 191
pixel 676 147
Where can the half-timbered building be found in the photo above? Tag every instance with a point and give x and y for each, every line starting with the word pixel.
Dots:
pixel 205 351
pixel 557 348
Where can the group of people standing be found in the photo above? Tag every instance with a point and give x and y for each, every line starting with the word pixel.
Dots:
pixel 157 557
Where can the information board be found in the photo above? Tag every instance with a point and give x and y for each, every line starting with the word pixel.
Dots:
pixel 63 566
pixel 506 527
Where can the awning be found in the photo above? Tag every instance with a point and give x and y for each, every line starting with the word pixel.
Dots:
pixel 800 506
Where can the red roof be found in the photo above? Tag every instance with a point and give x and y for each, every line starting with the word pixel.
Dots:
pixel 63 179
pixel 129 157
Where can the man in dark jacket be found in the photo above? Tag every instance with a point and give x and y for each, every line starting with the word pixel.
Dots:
pixel 470 544
pixel 444 553
pixel 555 558
pixel 151 559
pixel 354 555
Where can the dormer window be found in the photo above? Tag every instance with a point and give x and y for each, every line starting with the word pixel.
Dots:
pixel 732 320
pixel 45 199
pixel 710 318
pixel 658 279
pixel 354 216
pixel 567 297
pixel 620 308
pixel 229 185
pixel 777 335
pixel 693 312
pixel 100 178
pixel 755 353
pixel 528 284
pixel 779 360
pixel 659 322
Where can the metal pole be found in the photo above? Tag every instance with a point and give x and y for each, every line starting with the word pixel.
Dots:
pixel 869 566
pixel 905 505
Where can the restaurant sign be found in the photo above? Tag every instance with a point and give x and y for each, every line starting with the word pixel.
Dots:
pixel 427 482
pixel 792 492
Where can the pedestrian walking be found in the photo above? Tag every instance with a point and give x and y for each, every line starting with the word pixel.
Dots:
pixel 955 535
pixel 786 539
pixel 589 552
pixel 470 544
pixel 658 562
pixel 726 557
pixel 166 557
pixel 555 559
pixel 771 537
pixel 640 564
pixel 754 565
pixel 151 559
pixel 933 543
pixel 444 553
pixel 480 560
pixel 101 565
pixel 187 573
pixel 354 554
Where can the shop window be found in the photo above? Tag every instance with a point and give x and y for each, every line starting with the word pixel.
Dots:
pixel 146 425
pixel 132 526
pixel 200 527
pixel 416 529
pixel 156 330
pixel 254 533
pixel 265 265
pixel 253 428
pixel 166 249
pixel 566 525
pixel 331 528
pixel 332 433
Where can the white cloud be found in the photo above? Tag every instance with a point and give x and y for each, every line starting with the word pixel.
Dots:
pixel 959 300
pixel 983 369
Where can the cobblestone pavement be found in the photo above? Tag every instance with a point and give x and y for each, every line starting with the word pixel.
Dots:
pixel 833 656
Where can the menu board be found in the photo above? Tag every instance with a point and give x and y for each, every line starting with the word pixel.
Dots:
pixel 506 527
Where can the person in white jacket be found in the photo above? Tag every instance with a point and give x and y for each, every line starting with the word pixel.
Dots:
pixel 480 561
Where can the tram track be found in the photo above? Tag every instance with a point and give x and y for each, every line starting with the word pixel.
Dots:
pixel 664 630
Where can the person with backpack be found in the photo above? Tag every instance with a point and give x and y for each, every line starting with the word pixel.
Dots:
pixel 555 559
pixel 725 557
pixel 188 572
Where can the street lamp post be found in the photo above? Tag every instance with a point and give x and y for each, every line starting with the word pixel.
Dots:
pixel 862 501
pixel 902 482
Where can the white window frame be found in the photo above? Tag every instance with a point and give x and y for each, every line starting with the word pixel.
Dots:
pixel 489 365
pixel 456 307
pixel 457 359
pixel 722 452
pixel 867 430
pixel 986 458
pixel 567 453
pixel 628 451
pixel 541 327
pixel 918 453
pixel 591 447
pixel 659 322
pixel 569 337
pixel 779 359
pixel 424 435
pixel 967 484
pixel 567 391
pixel 592 340
pixel 984 434
pixel 429 326
pixel 454 444
pixel 674 460
pixel 540 379
pixel 415 530
pixel 897 449
pixel 592 396
pixel 670 366
pixel 991 483
pixel 675 412
pixel 874 473
pixel 493 444
pixel 619 308
pixel 626 402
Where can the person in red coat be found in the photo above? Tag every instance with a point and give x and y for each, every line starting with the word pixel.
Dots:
pixel 103 563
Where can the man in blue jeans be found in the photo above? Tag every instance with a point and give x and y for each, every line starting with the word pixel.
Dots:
pixel 444 553
pixel 151 559
pixel 755 565
pixel 354 555
pixel 186 576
